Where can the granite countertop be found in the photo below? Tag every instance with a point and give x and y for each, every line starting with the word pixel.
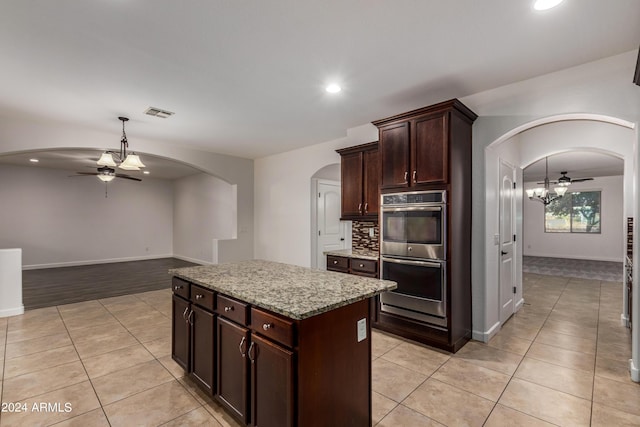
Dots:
pixel 358 253
pixel 293 291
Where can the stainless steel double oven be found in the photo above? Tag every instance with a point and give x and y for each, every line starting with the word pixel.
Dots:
pixel 413 249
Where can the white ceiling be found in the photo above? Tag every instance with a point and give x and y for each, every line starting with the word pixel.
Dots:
pixel 577 164
pixel 247 78
pixel 75 160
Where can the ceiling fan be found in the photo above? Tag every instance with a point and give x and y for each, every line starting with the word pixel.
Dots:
pixel 107 174
pixel 565 180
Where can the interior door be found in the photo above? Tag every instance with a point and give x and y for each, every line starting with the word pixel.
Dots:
pixel 331 231
pixel 507 246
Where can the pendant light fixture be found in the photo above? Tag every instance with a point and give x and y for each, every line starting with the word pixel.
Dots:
pixel 542 194
pixel 123 160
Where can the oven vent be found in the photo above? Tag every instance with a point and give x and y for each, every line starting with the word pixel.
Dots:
pixel 157 112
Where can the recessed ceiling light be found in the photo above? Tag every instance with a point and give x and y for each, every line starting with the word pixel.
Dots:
pixel 146 172
pixel 546 4
pixel 333 88
pixel 34 160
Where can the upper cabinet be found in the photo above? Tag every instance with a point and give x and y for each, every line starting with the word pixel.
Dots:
pixel 360 172
pixel 416 146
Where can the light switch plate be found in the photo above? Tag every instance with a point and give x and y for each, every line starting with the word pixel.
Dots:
pixel 496 239
pixel 362 329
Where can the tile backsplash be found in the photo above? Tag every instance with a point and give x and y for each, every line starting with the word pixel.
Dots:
pixel 360 238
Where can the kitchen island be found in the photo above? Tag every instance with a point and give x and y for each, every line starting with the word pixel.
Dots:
pixel 277 344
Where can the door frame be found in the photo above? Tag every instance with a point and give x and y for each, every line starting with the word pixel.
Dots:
pixel 314 220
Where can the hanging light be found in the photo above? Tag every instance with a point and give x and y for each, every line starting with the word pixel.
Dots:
pixel 122 159
pixel 542 194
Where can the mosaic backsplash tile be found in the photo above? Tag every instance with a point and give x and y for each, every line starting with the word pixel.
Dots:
pixel 360 239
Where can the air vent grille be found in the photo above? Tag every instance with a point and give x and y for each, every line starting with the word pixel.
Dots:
pixel 157 112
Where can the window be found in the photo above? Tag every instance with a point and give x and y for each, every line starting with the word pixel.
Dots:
pixel 576 212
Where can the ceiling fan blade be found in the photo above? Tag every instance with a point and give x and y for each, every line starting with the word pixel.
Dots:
pixel 121 175
pixel 582 179
pixel 550 182
pixel 86 173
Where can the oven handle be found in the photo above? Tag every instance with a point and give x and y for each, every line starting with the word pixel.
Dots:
pixel 412 262
pixel 431 208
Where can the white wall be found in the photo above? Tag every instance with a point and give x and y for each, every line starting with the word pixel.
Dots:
pixel 283 196
pixel 25 135
pixel 205 208
pixel 605 246
pixel 60 220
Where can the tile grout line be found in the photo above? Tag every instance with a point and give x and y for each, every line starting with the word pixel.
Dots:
pixel 523 357
pixel 83 367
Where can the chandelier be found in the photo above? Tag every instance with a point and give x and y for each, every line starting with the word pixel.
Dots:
pixel 123 160
pixel 542 194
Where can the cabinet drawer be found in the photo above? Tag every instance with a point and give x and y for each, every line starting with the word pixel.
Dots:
pixel 232 309
pixel 202 297
pixel 364 266
pixel 180 287
pixel 272 326
pixel 337 263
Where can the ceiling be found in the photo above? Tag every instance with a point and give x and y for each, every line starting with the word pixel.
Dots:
pixel 247 78
pixel 577 164
pixel 85 161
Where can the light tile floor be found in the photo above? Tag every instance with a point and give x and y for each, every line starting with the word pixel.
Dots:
pixel 561 360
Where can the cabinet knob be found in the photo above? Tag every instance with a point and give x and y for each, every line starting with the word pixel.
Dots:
pixel 177 287
pixel 267 326
pixel 228 309
pixel 199 296
pixel 361 265
pixel 335 261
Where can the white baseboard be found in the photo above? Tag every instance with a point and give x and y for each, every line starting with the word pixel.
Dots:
pixel 486 336
pixel 7 312
pixel 194 260
pixel 95 261
pixel 635 372
pixel 519 304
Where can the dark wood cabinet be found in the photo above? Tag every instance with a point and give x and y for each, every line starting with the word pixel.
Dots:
pixel 352 265
pixel 233 368
pixel 269 370
pixel 360 176
pixel 271 383
pixel 414 146
pixel 180 332
pixel 202 347
pixel 193 332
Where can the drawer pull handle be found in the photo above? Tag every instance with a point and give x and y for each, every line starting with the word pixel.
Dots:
pixel 184 315
pixel 177 287
pixel 335 261
pixel 366 207
pixel 199 296
pixel 267 326
pixel 228 309
pixel 190 318
pixel 415 174
pixel 406 174
pixel 241 345
pixel 361 265
pixel 360 208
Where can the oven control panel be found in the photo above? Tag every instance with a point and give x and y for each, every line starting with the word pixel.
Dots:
pixel 415 197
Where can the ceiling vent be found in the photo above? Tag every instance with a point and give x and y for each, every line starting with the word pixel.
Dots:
pixel 157 112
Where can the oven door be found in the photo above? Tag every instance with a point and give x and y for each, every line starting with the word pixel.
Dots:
pixel 421 292
pixel 414 231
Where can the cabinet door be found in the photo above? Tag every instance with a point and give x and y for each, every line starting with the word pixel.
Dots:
pixel 271 384
pixel 394 154
pixel 202 347
pixel 180 332
pixel 429 147
pixel 232 368
pixel 351 172
pixel 371 183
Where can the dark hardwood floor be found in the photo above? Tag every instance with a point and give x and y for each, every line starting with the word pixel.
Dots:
pixel 65 285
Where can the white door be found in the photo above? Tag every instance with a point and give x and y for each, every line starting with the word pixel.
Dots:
pixel 507 245
pixel 331 231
